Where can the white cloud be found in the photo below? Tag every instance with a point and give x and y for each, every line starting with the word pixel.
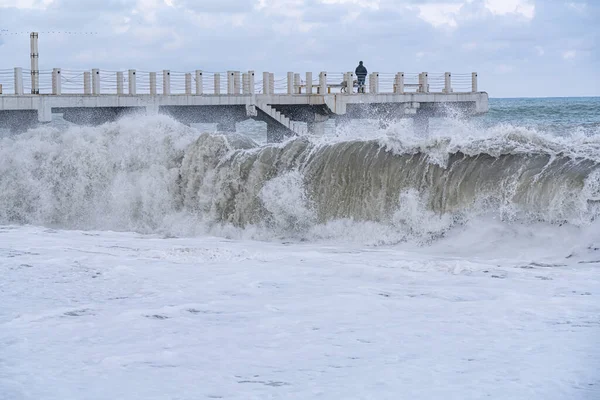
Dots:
pixel 502 7
pixel 31 4
pixel 569 54
pixel 579 7
pixel 373 4
pixel 540 50
pixel 438 14
pixel 504 69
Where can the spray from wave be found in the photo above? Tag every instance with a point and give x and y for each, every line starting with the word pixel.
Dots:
pixel 156 175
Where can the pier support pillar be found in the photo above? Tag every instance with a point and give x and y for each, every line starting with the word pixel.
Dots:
pixel 317 127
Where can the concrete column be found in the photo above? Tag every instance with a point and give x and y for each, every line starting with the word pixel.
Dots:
pixel 317 126
pixel 119 83
pixel 153 83
pixel 474 82
pixel 19 81
pixel 323 82
pixel 199 83
pixel 376 82
pixel 447 82
pixel 251 81
pixel 400 83
pixel 266 80
pixel 95 81
pixel 87 83
pixel 35 67
pixel 56 82
pixel 230 84
pixel 290 83
pixel 132 82
pixel 425 82
pixel 188 83
pixel 217 83
pixel 236 82
pixel 350 83
pixel 297 83
pixel 245 83
pixel 166 82
pixel 309 82
pixel 272 82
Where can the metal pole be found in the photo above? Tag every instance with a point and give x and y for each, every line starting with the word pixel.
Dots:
pixel 35 67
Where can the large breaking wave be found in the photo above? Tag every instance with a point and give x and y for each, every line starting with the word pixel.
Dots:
pixel 156 175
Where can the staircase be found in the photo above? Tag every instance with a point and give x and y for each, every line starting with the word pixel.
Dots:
pixel 294 126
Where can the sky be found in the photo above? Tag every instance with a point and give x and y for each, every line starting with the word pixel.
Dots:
pixel 520 48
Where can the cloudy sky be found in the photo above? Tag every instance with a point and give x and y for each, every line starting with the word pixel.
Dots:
pixel 518 47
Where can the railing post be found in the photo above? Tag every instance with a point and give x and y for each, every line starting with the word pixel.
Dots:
pixel 199 83
pixel 447 82
pixel 87 83
pixel 297 83
pixel 132 82
pixel 35 68
pixel 272 82
pixel 230 82
pixel 236 82
pixel 152 77
pixel 166 82
pixel 309 83
pixel 188 83
pixel 251 82
pixel 56 82
pixel 400 83
pixel 266 80
pixel 119 83
pixel 323 82
pixel 19 81
pixel 290 83
pixel 245 83
pixel 474 82
pixel 217 83
pixel 424 82
pixel 95 81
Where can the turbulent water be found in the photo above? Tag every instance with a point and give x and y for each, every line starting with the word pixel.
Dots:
pixel 156 175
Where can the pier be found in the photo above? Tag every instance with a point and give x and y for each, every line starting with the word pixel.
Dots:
pixel 292 104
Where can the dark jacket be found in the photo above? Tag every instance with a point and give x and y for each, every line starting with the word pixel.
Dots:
pixel 361 71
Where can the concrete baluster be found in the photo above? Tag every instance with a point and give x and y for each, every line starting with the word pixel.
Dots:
pixel 132 82
pixel 56 82
pixel 309 82
pixel 236 82
pixel 199 83
pixel 153 83
pixel 87 83
pixel 230 84
pixel 297 84
pixel 217 83
pixel 266 80
pixel 425 82
pixel 447 82
pixel 474 82
pixel 400 87
pixel 166 82
pixel 188 83
pixel 245 83
pixel 19 81
pixel 350 83
pixel 323 82
pixel 119 83
pixel 95 81
pixel 290 83
pixel 272 82
pixel 251 81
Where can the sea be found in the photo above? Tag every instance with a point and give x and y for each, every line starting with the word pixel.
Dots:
pixel 146 259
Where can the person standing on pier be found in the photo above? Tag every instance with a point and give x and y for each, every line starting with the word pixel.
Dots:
pixel 361 75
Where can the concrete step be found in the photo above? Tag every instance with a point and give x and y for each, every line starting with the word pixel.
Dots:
pixel 294 126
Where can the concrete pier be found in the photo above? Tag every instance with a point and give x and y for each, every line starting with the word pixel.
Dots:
pixel 290 105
